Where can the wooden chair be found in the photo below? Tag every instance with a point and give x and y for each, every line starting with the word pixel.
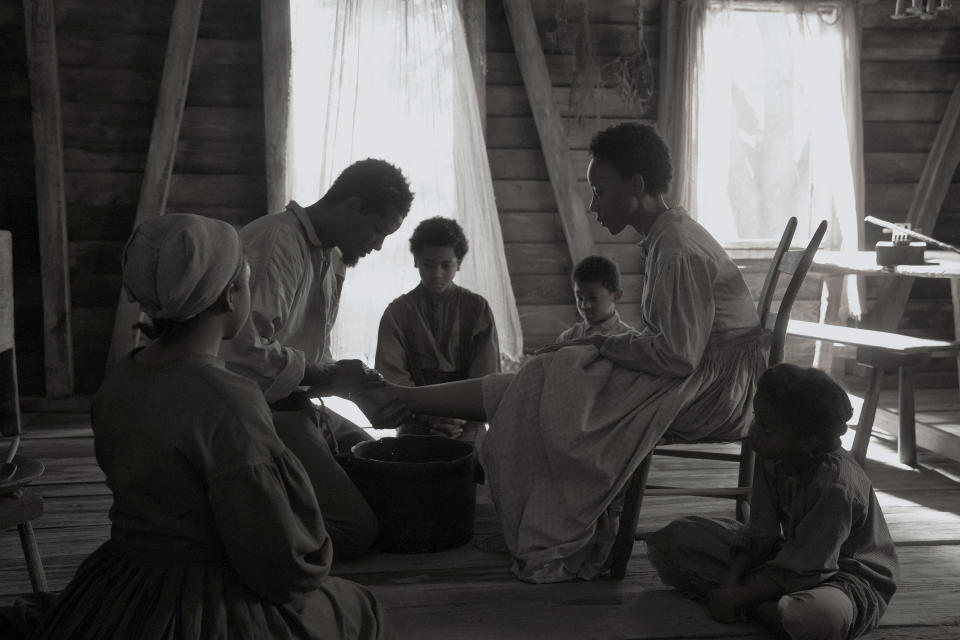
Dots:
pixel 794 264
pixel 18 506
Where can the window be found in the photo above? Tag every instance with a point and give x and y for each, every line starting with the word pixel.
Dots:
pixel 772 101
pixel 391 79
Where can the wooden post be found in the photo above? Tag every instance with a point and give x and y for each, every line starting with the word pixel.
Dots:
pixel 163 148
pixel 955 302
pixel 669 34
pixel 831 293
pixel 276 53
pixel 474 14
pixel 924 208
pixel 41 37
pixel 9 386
pixel 536 79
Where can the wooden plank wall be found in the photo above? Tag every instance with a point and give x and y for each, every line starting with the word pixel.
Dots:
pixel 908 71
pixel 536 253
pixel 111 56
pixel 18 197
pixel 111 59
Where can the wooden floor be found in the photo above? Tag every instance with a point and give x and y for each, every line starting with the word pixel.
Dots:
pixel 467 593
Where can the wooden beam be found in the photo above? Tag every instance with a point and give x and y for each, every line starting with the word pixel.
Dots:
pixel 668 120
pixel 924 209
pixel 536 79
pixel 41 37
pixel 474 14
pixel 276 51
pixel 163 148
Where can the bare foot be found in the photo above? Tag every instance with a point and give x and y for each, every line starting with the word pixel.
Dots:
pixel 383 409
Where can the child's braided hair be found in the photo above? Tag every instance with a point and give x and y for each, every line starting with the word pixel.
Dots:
pixel 809 400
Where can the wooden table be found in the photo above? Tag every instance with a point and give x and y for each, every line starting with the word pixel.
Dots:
pixel 836 264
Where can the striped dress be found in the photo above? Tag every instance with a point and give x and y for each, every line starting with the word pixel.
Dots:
pixel 568 429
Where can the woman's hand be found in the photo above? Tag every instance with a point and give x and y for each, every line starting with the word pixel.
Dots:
pixel 594 340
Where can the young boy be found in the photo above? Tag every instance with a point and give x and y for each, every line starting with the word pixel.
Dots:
pixel 596 287
pixel 439 332
pixel 816 559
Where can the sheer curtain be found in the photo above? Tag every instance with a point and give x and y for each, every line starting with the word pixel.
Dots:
pixel 765 121
pixel 391 79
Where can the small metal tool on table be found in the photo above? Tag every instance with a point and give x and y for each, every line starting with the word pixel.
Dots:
pixel 900 249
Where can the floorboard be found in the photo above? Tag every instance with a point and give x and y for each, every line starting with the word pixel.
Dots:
pixel 471 593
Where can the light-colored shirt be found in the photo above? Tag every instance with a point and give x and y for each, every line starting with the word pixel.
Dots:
pixel 451 332
pixel 295 284
pixel 611 326
pixel 694 297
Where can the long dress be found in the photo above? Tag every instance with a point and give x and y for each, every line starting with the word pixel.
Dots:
pixel 216 532
pixel 570 427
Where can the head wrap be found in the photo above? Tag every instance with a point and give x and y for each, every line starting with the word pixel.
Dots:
pixel 178 264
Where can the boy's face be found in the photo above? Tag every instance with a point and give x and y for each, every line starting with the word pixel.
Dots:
pixel 772 437
pixel 594 301
pixel 437 267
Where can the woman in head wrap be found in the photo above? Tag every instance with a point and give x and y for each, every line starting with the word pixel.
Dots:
pixel 216 530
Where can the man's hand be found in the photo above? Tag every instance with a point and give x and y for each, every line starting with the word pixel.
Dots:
pixel 340 378
pixel 723 604
pixel 440 426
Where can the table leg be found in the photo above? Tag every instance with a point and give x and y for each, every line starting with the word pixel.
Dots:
pixel 830 304
pixel 868 412
pixel 907 439
pixel 955 298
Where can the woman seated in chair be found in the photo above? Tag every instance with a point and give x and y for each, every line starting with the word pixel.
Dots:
pixel 568 429
pixel 216 530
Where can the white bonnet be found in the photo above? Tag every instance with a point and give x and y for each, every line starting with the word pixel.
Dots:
pixel 177 265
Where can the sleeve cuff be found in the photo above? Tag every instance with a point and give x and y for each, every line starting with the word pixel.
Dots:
pixel 289 378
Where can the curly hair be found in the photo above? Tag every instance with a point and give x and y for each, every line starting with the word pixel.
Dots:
pixel 633 148
pixel 439 232
pixel 597 269
pixel 377 183
pixel 809 400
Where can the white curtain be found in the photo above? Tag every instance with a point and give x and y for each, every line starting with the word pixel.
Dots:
pixel 391 79
pixel 762 110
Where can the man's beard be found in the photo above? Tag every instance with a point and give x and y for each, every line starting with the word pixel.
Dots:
pixel 350 260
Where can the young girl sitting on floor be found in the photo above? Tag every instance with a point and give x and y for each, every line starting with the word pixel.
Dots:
pixel 816 559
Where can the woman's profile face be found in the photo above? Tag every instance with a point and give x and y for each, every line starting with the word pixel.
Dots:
pixel 241 307
pixel 613 200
